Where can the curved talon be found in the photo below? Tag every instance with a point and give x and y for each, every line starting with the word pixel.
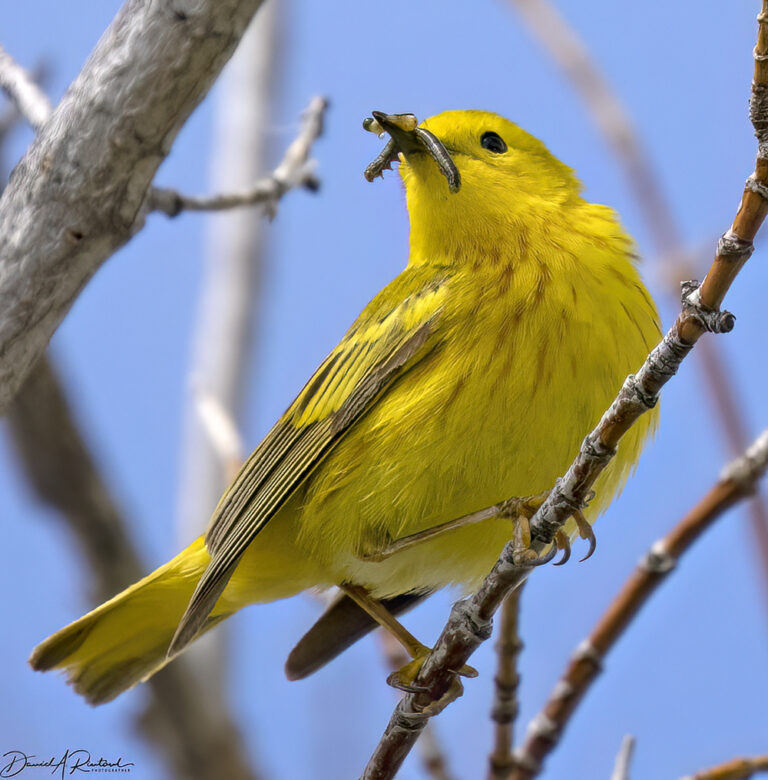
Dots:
pixel 396 681
pixel 585 532
pixel 544 559
pixel 564 544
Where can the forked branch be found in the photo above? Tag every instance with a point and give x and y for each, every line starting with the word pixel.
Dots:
pixel 737 481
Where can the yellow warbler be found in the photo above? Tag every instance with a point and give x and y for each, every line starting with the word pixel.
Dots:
pixel 470 378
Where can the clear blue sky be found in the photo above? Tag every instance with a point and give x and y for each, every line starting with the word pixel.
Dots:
pixel 690 678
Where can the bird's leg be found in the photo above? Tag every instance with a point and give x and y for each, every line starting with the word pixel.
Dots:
pixel 402 678
pixel 512 508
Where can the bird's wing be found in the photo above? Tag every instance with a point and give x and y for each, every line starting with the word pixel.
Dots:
pixel 381 346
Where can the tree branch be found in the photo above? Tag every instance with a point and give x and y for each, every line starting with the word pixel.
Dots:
pixel 736 769
pixel 507 681
pixel 88 170
pixel 62 471
pixel 737 481
pixel 295 170
pixel 22 90
pixel 624 759
pixel 470 621
pixel 433 758
pixel 565 47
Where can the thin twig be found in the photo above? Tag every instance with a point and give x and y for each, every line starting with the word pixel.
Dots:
pixel 507 681
pixel 624 759
pixel 736 769
pixel 294 170
pixel 470 620
pixel 22 90
pixel 567 49
pixel 737 481
pixel 64 474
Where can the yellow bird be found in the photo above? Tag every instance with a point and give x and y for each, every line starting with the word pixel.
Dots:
pixel 472 377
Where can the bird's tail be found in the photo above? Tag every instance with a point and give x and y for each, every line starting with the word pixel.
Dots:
pixel 125 640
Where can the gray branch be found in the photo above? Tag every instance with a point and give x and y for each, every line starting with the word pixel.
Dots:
pixel 77 195
pixel 295 170
pixel 22 90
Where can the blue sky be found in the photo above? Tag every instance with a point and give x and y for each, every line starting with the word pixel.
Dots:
pixel 689 678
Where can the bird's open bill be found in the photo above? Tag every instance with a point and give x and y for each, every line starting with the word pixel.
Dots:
pixel 407 137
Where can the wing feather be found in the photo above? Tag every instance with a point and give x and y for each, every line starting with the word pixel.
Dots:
pixel 347 384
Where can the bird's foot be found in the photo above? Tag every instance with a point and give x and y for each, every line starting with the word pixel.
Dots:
pixel 521 510
pixel 404 679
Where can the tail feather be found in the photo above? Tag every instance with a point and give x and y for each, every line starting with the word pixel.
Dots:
pixel 126 639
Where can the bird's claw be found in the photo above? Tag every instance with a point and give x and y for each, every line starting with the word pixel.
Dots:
pixel 404 679
pixel 585 532
pixel 563 543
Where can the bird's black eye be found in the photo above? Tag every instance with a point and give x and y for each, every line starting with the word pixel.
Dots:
pixel 493 142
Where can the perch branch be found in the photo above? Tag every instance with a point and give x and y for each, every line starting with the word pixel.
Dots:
pixel 736 769
pixel 63 473
pixel 433 757
pixel 737 481
pixel 566 48
pixel 470 621
pixel 507 681
pixel 77 194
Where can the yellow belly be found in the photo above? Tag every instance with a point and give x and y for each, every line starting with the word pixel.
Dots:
pixel 468 427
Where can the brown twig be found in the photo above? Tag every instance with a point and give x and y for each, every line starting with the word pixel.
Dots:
pixel 737 481
pixel 470 620
pixel 565 47
pixel 294 170
pixel 736 769
pixel 193 734
pixel 433 756
pixel 507 681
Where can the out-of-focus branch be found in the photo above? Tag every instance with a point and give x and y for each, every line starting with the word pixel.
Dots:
pixel 624 759
pixel 737 481
pixel 432 754
pixel 566 48
pixel 295 170
pixel 507 681
pixel 22 90
pixel 64 474
pixel 90 166
pixel 470 621
pixel 212 450
pixel 737 769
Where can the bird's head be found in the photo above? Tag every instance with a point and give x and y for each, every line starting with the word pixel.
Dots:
pixel 497 179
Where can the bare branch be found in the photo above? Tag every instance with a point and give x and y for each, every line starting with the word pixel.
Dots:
pixel 77 194
pixel 433 757
pixel 61 469
pixel 736 769
pixel 624 759
pixel 470 621
pixel 223 354
pixel 565 47
pixel 737 481
pixel 295 170
pixel 22 90
pixel 507 681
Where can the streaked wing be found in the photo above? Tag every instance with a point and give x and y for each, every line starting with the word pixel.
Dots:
pixel 371 357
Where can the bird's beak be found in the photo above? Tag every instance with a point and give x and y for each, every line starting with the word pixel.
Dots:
pixel 402 130
pixel 408 138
